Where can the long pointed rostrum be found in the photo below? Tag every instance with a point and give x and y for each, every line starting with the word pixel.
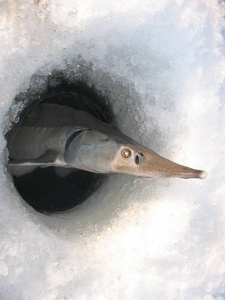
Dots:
pixel 145 163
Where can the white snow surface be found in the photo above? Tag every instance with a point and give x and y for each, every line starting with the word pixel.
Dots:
pixel 161 64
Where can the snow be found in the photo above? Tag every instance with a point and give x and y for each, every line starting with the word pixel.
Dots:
pixel 161 65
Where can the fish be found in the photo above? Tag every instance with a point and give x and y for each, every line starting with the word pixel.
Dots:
pixel 61 136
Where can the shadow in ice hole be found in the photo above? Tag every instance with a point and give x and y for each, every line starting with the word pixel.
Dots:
pixel 45 191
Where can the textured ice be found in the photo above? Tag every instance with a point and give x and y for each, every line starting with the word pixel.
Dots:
pixel 161 65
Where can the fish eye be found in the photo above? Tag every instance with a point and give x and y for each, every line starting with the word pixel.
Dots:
pixel 126 153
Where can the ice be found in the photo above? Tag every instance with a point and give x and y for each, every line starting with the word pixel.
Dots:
pixel 161 65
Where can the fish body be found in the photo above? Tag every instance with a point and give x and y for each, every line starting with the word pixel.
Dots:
pixel 56 135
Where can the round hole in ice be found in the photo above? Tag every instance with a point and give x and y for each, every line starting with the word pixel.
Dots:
pixel 55 189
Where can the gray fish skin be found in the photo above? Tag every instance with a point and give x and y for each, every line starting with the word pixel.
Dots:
pixel 54 135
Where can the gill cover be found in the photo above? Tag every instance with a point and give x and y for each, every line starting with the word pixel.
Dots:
pixel 91 151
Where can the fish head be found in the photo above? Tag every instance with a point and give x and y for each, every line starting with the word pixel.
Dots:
pixel 145 163
pixel 99 152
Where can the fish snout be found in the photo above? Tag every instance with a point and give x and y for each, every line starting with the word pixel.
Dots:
pixel 145 163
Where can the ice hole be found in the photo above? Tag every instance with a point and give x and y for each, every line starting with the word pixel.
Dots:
pixel 161 65
pixel 55 189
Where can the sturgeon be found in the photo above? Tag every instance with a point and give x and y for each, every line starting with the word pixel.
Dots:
pixel 60 136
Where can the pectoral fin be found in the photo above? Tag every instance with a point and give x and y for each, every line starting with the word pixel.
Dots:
pixel 49 158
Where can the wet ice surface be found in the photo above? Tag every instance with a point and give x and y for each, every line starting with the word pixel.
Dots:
pixel 162 67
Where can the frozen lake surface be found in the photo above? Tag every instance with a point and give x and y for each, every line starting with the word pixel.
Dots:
pixel 161 66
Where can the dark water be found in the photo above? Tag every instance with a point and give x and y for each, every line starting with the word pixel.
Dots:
pixel 46 192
